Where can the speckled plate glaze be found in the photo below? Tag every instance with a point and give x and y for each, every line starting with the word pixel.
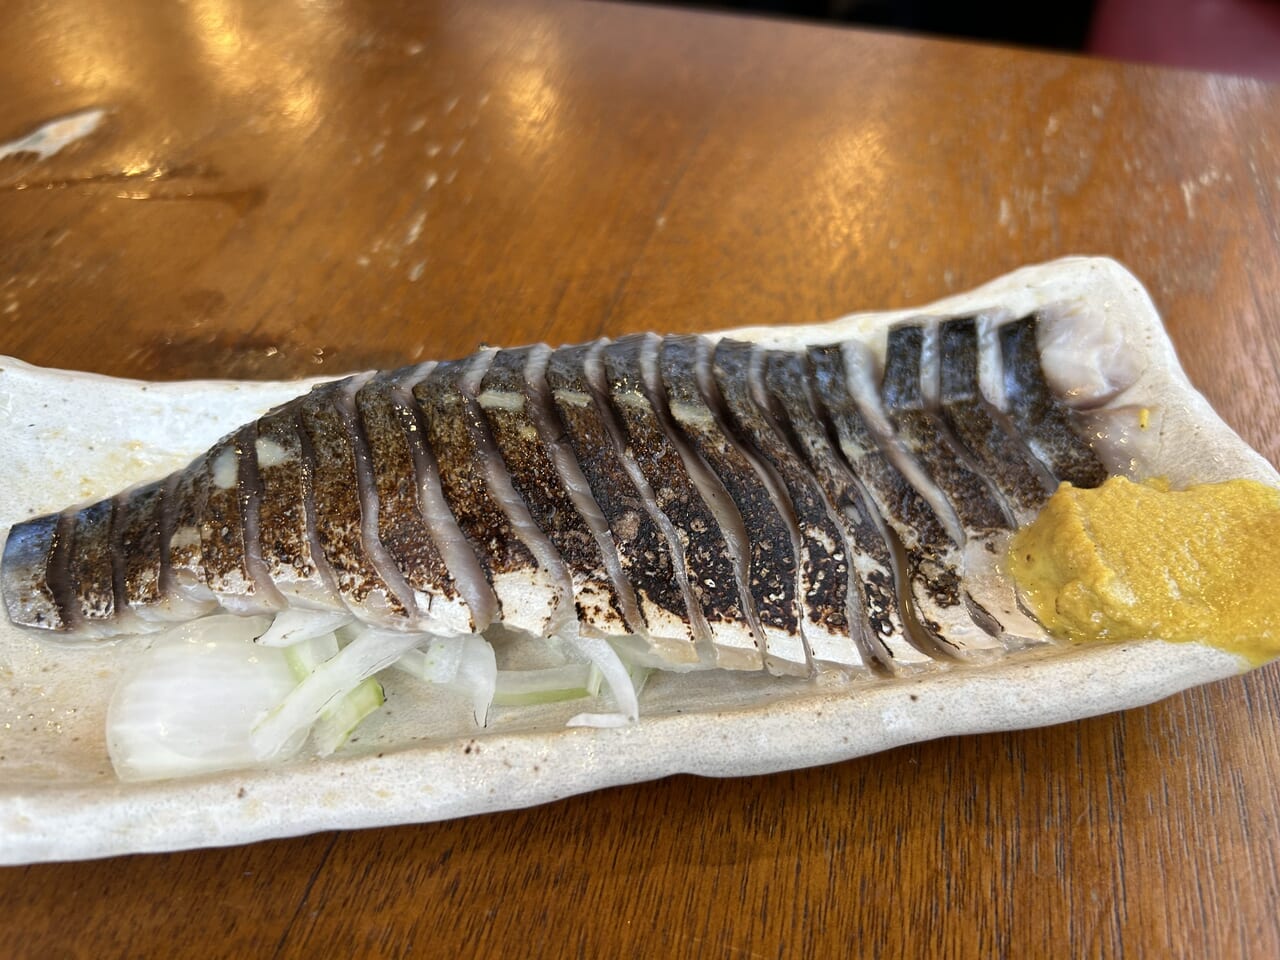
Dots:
pixel 66 437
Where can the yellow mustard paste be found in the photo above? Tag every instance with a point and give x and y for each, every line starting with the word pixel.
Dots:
pixel 1127 561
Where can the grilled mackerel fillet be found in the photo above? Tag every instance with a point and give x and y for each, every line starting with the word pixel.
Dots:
pixel 702 502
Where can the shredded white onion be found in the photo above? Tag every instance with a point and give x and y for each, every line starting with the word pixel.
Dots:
pixel 297 624
pixel 569 681
pixel 369 652
pixel 478 676
pixel 206 697
pixel 616 676
pixel 438 663
pixel 466 664
pixel 189 703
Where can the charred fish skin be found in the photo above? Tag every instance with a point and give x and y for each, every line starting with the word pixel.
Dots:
pixel 821 569
pixel 770 562
pixel 229 554
pixel 874 581
pixel 986 432
pixel 370 507
pixel 511 408
pixel 932 559
pixel 550 579
pixel 324 416
pixel 222 544
pixel 400 527
pixel 908 513
pixel 89 567
pixel 183 508
pixel 685 507
pixel 456 434
pixel 927 438
pixel 461 560
pixel 1038 414
pixel 647 559
pixel 136 548
pixel 451 440
pixel 286 512
pixel 911 390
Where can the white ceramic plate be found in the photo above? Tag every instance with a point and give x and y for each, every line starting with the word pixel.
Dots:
pixel 67 437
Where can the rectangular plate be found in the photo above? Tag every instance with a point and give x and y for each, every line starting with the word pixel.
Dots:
pixel 68 437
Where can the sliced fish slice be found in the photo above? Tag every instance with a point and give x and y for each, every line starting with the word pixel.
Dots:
pixel 325 420
pixel 33 574
pixel 924 434
pixel 551 577
pixel 182 574
pixel 401 529
pixel 875 585
pixel 528 596
pixel 233 570
pixel 555 440
pixel 986 432
pixel 910 391
pixel 939 606
pixel 767 540
pixel 136 550
pixel 1038 414
pixel 286 513
pixel 663 596
pixel 685 508
pixel 505 399
pixel 820 570
pixel 89 566
pixel 464 566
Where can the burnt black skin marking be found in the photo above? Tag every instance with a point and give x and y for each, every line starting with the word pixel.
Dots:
pixel 402 529
pixel 535 477
pixel 707 559
pixel 927 438
pixel 642 549
pixel 450 437
pixel 987 434
pixel 771 562
pixel 924 539
pixel 335 482
pixel 136 546
pixel 789 378
pixel 1040 417
pixel 283 534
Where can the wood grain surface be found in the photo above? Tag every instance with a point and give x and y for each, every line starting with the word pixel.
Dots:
pixel 301 188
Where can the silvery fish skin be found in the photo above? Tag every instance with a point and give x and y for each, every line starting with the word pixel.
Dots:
pixel 1043 420
pixel 700 502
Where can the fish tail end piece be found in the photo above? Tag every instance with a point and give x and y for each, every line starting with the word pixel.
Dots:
pixel 28 596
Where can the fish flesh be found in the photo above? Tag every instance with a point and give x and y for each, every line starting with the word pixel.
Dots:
pixel 699 501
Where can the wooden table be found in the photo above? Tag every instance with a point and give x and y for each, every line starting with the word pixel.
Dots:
pixel 282 189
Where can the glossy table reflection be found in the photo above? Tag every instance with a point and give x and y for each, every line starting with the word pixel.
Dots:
pixel 305 187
